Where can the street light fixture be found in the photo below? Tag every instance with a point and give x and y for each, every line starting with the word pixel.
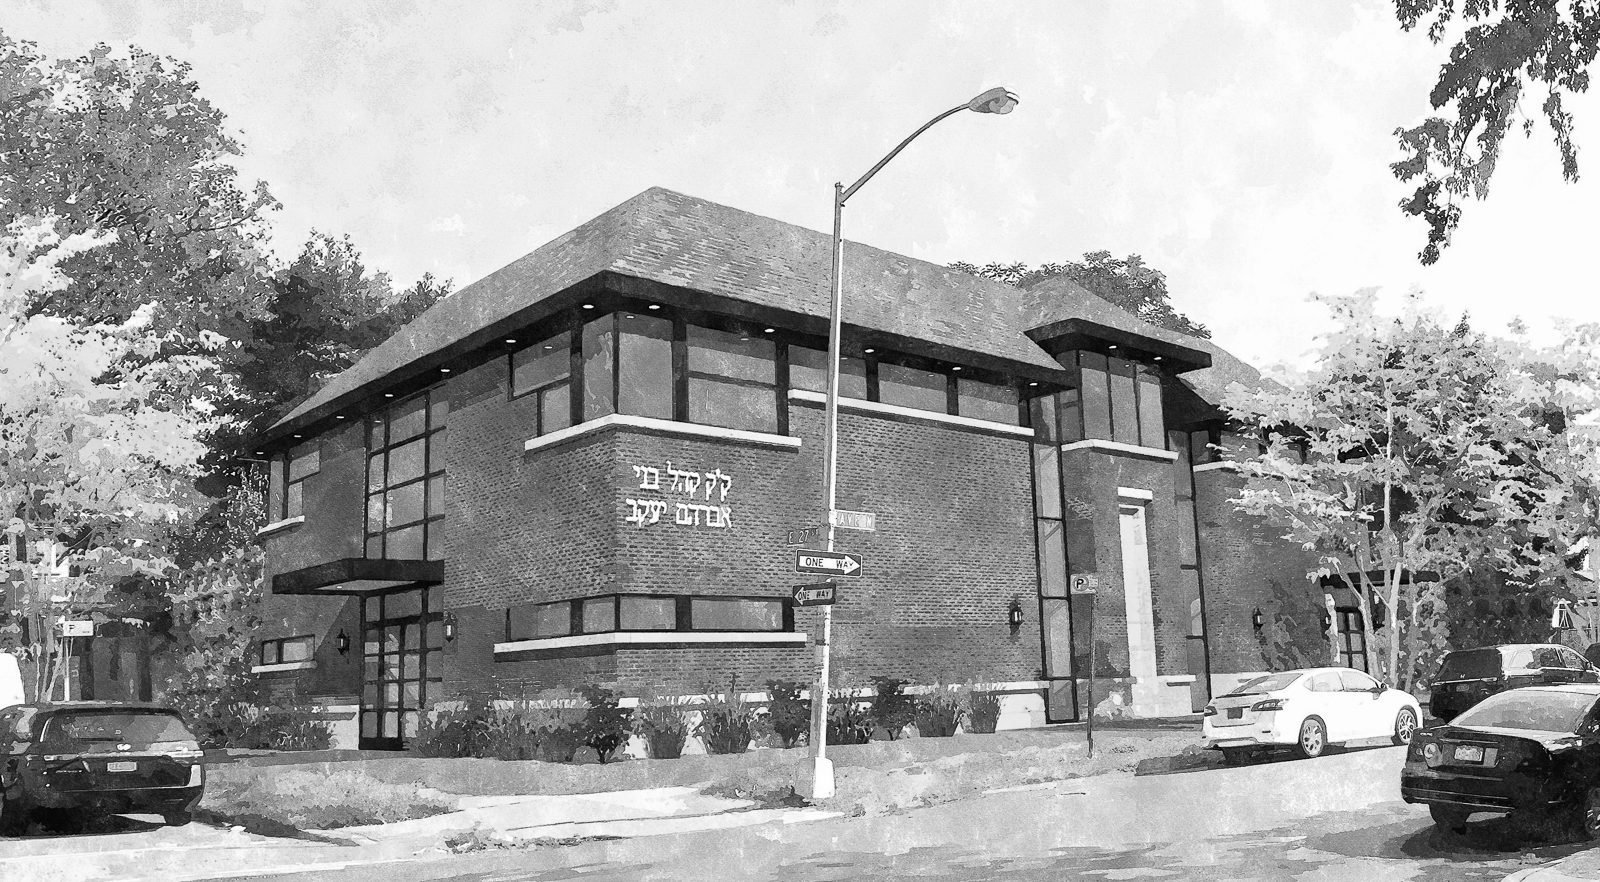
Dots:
pixel 996 100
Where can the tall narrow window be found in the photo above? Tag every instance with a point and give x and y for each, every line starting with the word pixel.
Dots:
pixel 733 380
pixel 544 370
pixel 1352 639
pixel 301 462
pixel 405 479
pixel 599 346
pixel 644 366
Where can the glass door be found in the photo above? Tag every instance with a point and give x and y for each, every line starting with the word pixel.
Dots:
pixel 401 666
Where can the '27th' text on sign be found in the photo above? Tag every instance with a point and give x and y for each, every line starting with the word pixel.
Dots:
pixel 698 487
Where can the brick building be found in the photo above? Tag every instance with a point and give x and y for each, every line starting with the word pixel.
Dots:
pixel 586 466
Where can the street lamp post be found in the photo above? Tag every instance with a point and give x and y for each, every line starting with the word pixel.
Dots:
pixel 996 100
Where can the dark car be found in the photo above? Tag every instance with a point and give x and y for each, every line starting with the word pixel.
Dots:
pixel 1468 676
pixel 1534 751
pixel 79 759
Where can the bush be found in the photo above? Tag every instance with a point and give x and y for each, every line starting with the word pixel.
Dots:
pixel 891 708
pixel 726 720
pixel 481 726
pixel 460 730
pixel 984 713
pixel 848 722
pixel 939 712
pixel 605 725
pixel 663 724
pixel 788 715
pixel 251 726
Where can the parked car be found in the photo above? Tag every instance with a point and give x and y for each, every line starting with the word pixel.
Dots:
pixel 1468 676
pixel 1307 710
pixel 1534 751
pixel 79 759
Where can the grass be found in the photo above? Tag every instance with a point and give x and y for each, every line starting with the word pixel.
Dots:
pixel 298 799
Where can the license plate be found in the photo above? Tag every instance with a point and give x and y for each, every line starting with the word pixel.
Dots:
pixel 1469 754
pixel 122 767
pixel 1235 713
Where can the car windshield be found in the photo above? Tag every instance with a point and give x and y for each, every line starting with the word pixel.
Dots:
pixel 1269 683
pixel 1470 664
pixel 1530 709
pixel 91 731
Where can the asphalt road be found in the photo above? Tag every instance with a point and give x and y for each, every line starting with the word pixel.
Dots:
pixel 1335 818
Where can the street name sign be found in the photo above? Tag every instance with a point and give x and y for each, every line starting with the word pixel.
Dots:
pixel 853 520
pixel 1084 583
pixel 821 594
pixel 802 536
pixel 827 563
pixel 77 628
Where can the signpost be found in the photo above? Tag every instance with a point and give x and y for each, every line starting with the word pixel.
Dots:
pixel 820 594
pixel 853 520
pixel 1085 585
pixel 827 563
pixel 76 629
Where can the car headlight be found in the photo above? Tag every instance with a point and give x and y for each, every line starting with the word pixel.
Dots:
pixel 1431 754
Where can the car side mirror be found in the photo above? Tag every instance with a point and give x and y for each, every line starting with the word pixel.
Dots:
pixel 1379 690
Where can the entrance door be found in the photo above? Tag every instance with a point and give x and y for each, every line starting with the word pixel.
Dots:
pixel 1136 594
pixel 401 668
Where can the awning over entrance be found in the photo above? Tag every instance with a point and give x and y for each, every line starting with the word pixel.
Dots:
pixel 358 575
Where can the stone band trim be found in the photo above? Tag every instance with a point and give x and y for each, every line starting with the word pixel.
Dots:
pixel 653 638
pixel 671 427
pixel 277 526
pixel 1219 466
pixel 1118 447
pixel 284 666
pixel 874 407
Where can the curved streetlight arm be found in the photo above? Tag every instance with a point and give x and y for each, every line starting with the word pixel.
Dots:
pixel 850 191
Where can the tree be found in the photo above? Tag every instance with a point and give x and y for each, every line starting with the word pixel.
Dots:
pixel 1124 282
pixel 1416 447
pixel 99 443
pixel 1507 49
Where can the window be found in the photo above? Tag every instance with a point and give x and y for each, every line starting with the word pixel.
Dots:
pixel 286 493
pixel 626 612
pixel 808 369
pixel 724 614
pixel 911 387
pixel 733 380
pixel 1355 681
pixel 1324 683
pixel 986 401
pixel 405 479
pixel 286 649
pixel 644 366
pixel 1352 642
pixel 544 370
pixel 1119 401
pixel 649 613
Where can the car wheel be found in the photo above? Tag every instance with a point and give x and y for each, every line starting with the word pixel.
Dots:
pixel 178 819
pixel 1313 738
pixel 1405 725
pixel 1450 818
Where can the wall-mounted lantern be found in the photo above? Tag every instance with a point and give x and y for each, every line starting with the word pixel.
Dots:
pixel 1014 615
pixel 342 642
pixel 1327 621
pixel 1380 612
pixel 449 627
pixel 1258 619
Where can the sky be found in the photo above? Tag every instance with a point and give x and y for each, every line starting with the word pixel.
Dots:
pixel 1242 147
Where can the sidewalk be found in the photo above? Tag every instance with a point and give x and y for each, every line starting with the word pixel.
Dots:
pixel 1585 865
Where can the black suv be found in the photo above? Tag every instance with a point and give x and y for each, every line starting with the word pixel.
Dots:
pixel 82 758
pixel 1468 676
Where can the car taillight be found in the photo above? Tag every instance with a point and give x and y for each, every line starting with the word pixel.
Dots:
pixel 1210 711
pixel 1432 754
pixel 1269 704
pixel 197 775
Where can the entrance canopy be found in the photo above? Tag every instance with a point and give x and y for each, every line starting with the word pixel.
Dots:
pixel 358 575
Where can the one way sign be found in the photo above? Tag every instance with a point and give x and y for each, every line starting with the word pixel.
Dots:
pixel 827 563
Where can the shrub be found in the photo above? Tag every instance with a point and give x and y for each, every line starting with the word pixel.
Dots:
pixel 557 720
pixel 663 723
pixel 848 722
pixel 788 714
pixel 726 720
pixel 605 725
pixel 939 712
pixel 891 708
pixel 458 730
pixel 984 713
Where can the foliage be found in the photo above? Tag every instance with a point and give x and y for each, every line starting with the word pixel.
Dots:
pixel 482 725
pixel 891 707
pixel 605 725
pixel 983 712
pixel 1505 49
pixel 663 723
pixel 100 442
pixel 939 712
pixel 459 730
pixel 307 800
pixel 788 714
pixel 727 720
pixel 848 721
pixel 1125 282
pixel 1420 447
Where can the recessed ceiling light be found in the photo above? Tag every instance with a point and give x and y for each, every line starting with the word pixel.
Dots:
pixel 1033 384
pixel 588 306
pixel 548 346
pixel 1158 358
pixel 655 306
pixel 261 453
pixel 1112 346
pixel 299 436
pixel 338 416
pixel 869 351
pixel 511 339
pixel 444 370
pixel 744 339
pixel 630 316
pixel 768 331
pixel 388 394
pixel 956 368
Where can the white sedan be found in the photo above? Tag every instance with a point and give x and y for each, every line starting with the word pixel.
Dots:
pixel 1307 710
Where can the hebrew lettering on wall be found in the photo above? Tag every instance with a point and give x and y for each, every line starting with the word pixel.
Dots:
pixel 696 489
